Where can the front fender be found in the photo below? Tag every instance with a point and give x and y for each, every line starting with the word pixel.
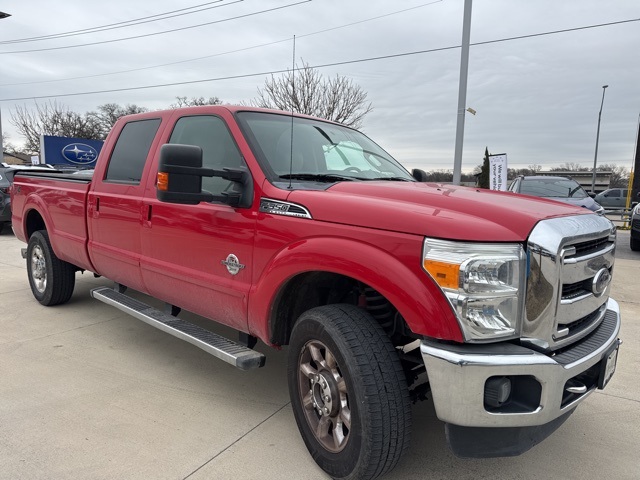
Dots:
pixel 410 290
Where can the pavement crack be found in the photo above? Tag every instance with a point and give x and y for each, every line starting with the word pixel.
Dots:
pixel 618 396
pixel 237 440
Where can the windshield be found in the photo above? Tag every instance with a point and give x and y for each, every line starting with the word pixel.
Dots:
pixel 553 187
pixel 319 151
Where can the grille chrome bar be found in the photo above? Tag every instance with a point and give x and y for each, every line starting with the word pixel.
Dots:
pixel 562 304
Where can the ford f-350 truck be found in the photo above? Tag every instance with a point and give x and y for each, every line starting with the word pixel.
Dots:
pixel 302 232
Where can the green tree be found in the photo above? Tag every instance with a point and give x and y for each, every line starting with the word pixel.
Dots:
pixel 483 177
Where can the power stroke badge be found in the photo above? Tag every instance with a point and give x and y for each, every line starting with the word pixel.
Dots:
pixel 233 264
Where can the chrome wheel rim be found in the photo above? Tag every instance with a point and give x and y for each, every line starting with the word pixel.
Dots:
pixel 324 394
pixel 38 269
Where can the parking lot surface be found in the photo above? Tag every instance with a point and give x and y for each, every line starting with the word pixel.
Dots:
pixel 88 392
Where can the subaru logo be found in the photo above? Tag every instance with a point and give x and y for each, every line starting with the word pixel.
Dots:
pixel 601 281
pixel 80 153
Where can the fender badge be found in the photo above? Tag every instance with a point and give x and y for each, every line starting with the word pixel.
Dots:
pixel 233 264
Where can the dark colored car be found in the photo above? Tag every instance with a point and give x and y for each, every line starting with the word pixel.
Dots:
pixel 561 189
pixel 635 228
pixel 5 200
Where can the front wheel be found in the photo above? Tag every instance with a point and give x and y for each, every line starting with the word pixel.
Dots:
pixel 635 244
pixel 51 279
pixel 348 392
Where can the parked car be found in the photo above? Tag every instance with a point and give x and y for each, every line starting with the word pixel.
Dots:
pixel 613 198
pixel 5 199
pixel 561 189
pixel 635 228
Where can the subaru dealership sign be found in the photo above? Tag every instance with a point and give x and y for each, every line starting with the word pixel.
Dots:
pixel 79 152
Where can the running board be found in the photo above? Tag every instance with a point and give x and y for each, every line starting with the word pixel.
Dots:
pixel 231 352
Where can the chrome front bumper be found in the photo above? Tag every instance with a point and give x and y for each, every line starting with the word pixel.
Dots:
pixel 458 375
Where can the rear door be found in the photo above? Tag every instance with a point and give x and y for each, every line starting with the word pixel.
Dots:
pixel 199 257
pixel 114 206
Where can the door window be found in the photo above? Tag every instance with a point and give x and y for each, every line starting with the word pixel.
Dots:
pixel 218 148
pixel 131 150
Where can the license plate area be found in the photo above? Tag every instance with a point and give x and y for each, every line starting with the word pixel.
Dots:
pixel 608 365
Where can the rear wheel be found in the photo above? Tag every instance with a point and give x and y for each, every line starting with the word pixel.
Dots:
pixel 348 392
pixel 51 279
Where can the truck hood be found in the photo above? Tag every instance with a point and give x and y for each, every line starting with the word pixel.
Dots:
pixel 433 210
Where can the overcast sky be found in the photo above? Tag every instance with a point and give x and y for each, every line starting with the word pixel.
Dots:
pixel 537 98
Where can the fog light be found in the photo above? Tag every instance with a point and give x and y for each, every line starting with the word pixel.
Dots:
pixel 497 391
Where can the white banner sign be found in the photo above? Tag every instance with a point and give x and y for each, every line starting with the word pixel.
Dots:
pixel 498 172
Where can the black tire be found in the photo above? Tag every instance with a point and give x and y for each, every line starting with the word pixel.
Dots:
pixel 341 351
pixel 51 279
pixel 635 244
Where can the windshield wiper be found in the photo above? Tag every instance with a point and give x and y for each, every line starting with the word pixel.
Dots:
pixel 318 177
pixel 393 179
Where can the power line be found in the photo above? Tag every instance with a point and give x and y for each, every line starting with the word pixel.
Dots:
pixel 326 65
pixel 224 53
pixel 113 26
pixel 159 33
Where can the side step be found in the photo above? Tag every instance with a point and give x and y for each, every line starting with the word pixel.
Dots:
pixel 231 352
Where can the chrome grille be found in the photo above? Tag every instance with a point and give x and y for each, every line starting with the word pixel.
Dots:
pixel 564 300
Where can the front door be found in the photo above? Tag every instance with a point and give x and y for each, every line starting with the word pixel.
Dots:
pixel 199 257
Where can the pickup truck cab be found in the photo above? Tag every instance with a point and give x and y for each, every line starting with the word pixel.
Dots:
pixel 302 232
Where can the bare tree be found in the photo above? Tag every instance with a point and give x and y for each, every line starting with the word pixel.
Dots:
pixel 52 119
pixel 195 102
pixel 619 175
pixel 570 167
pixel 109 113
pixel 308 92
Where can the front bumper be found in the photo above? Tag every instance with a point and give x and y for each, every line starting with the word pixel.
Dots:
pixel 458 376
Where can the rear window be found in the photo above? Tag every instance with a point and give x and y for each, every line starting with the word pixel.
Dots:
pixel 131 150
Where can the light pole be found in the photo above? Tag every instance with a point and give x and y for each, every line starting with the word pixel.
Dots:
pixel 462 92
pixel 2 15
pixel 595 157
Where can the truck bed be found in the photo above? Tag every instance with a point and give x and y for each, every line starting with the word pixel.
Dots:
pixel 64 198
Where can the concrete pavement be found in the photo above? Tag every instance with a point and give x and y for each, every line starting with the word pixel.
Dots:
pixel 87 392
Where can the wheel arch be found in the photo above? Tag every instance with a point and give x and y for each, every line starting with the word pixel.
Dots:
pixel 326 263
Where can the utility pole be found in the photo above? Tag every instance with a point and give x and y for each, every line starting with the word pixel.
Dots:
pixel 2 15
pixel 462 91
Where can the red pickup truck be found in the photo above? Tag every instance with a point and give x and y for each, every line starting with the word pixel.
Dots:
pixel 302 232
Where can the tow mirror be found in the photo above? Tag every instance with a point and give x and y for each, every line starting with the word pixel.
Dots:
pixel 420 175
pixel 180 173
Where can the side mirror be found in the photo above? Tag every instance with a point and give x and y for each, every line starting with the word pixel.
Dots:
pixel 420 175
pixel 591 194
pixel 180 175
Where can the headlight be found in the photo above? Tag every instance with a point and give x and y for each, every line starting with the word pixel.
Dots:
pixel 484 284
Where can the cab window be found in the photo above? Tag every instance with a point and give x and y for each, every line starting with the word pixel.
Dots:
pixel 218 147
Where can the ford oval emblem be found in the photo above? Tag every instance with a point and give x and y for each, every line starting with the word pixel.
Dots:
pixel 601 281
pixel 80 153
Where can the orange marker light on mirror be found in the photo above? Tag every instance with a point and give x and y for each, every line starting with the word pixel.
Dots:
pixel 163 181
